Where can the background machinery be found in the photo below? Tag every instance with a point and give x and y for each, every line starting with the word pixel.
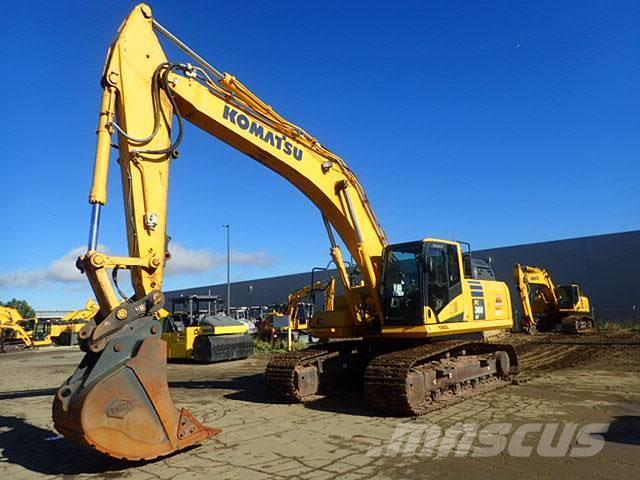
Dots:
pixel 66 330
pixel 13 336
pixel 301 306
pixel 409 295
pixel 272 325
pixel 547 306
pixel 196 329
pixel 18 333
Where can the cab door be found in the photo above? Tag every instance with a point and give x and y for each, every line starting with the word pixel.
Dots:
pixel 442 276
pixel 402 285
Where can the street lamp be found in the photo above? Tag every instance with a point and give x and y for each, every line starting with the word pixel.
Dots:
pixel 228 227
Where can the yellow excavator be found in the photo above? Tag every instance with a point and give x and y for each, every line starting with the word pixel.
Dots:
pixel 13 335
pixel 66 330
pixel 550 307
pixel 399 327
pixel 296 314
pixel 296 310
pixel 18 333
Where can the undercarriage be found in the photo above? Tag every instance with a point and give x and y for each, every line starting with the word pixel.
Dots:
pixel 397 379
pixel 565 324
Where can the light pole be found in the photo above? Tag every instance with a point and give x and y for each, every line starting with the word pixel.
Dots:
pixel 228 227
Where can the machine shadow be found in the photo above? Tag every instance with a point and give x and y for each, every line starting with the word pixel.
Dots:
pixel 41 451
pixel 624 429
pixel 251 388
pixel 346 401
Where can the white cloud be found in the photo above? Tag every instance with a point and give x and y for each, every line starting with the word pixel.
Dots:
pixel 62 270
pixel 21 279
pixel 184 261
pixel 257 259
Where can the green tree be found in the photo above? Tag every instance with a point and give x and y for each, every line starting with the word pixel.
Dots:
pixel 22 306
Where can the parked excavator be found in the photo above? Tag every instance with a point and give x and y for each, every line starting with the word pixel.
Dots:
pixel 66 330
pixel 550 307
pixel 13 336
pixel 279 324
pixel 408 296
pixel 296 309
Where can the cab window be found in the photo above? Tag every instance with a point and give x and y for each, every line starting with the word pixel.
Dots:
pixel 454 265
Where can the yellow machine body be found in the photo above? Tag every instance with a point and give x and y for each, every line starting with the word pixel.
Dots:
pixel 12 331
pixel 465 305
pixel 299 321
pixel 180 344
pixel 547 306
pixel 142 93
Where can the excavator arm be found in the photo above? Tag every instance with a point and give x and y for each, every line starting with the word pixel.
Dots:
pixel 117 400
pixel 526 277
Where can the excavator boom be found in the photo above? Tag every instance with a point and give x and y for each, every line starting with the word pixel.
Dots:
pixel 118 400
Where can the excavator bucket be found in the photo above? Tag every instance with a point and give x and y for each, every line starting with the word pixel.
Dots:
pixel 118 400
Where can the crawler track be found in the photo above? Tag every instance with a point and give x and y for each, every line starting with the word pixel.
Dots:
pixel 575 324
pixel 462 370
pixel 387 386
pixel 15 346
pixel 281 371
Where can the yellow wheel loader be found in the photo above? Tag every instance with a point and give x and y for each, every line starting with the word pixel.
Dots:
pixel 550 307
pixel 401 328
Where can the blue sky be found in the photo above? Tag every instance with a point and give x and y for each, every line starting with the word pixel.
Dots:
pixel 498 123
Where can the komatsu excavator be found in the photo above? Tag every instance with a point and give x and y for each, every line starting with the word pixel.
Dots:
pixel 410 294
pixel 547 306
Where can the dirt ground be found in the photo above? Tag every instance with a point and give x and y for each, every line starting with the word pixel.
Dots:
pixel 587 379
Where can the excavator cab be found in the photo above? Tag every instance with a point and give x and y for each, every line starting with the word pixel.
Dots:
pixel 434 288
pixel 39 330
pixel 568 296
pixel 421 280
